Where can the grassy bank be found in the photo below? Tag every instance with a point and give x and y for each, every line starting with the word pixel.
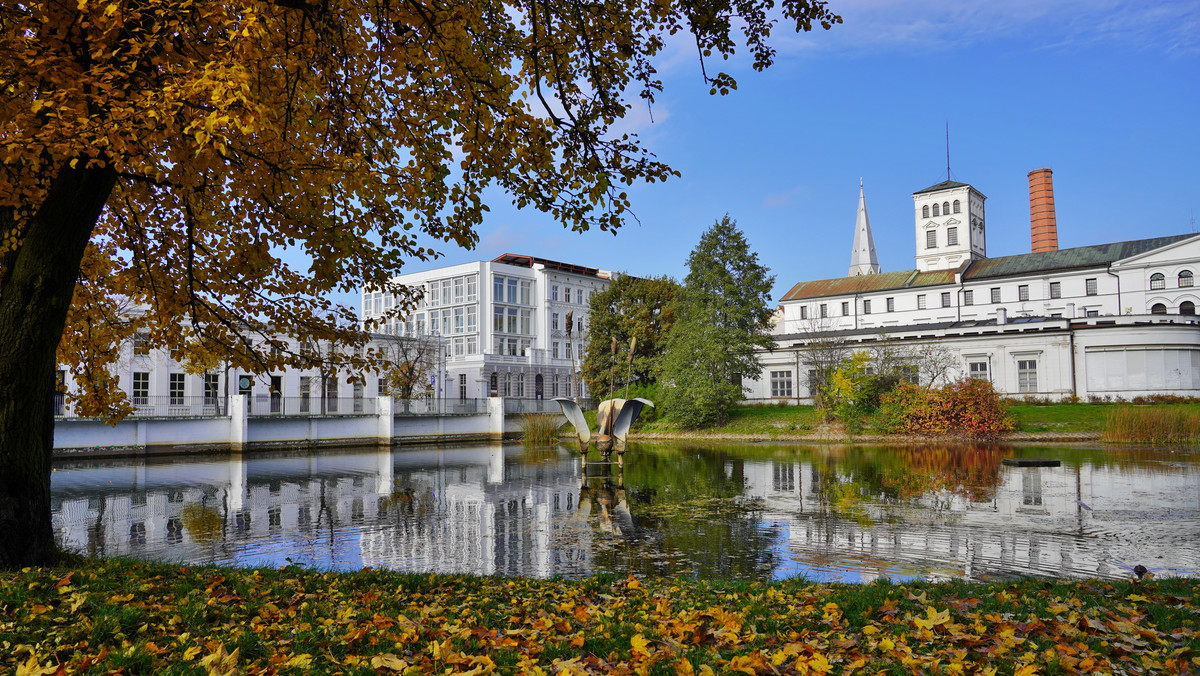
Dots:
pixel 144 618
pixel 801 420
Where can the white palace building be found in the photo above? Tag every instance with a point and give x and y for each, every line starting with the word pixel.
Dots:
pixel 1111 320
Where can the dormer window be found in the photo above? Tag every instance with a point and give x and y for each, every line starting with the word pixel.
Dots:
pixel 925 211
pixel 1157 281
pixel 957 207
pixel 1185 278
pixel 935 210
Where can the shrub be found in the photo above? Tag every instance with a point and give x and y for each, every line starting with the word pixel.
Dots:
pixel 968 407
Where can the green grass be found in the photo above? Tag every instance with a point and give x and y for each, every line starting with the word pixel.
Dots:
pixel 769 420
pixel 1154 424
pixel 1084 418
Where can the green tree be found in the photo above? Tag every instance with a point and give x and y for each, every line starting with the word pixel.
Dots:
pixel 631 307
pixel 171 153
pixel 721 322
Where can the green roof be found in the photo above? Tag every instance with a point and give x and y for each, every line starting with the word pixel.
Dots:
pixel 943 186
pixel 1066 259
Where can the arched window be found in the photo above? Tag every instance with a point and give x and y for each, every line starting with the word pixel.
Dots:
pixel 1158 281
pixel 1158 309
pixel 935 210
pixel 957 207
pixel 1187 307
pixel 925 211
pixel 508 384
pixel 945 208
pixel 1185 278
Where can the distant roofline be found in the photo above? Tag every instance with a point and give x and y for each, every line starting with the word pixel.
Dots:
pixel 945 185
pixel 524 261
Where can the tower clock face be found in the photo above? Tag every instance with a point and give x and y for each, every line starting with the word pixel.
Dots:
pixel 244 383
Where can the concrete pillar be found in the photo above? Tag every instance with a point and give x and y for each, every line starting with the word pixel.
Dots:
pixel 387 420
pixel 495 407
pixel 238 422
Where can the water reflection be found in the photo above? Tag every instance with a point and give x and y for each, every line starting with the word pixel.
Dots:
pixel 827 513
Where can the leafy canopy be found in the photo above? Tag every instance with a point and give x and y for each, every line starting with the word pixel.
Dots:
pixel 223 136
pixel 722 318
pixel 631 307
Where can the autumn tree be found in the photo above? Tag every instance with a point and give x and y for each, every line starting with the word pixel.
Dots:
pixel 631 307
pixel 408 361
pixel 721 323
pixel 178 154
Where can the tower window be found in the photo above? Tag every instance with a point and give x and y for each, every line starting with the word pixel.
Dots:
pixel 1158 281
pixel 931 237
pixel 951 236
pixel 936 211
pixel 957 207
pixel 1185 278
pixel 925 211
pixel 946 208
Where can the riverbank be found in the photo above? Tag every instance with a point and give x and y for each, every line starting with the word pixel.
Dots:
pixel 103 616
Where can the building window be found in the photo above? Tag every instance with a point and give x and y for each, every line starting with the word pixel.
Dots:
pixel 176 389
pixel 977 370
pixel 1091 313
pixel 1089 286
pixel 845 308
pixel 1023 292
pixel 968 297
pixel 141 344
pixel 1185 278
pixel 925 211
pixel 553 292
pixel 951 236
pixel 921 302
pixel 936 210
pixel 1056 289
pixel 891 305
pixel 554 349
pixel 957 207
pixel 946 299
pixel 1187 307
pixel 566 294
pixel 931 238
pixel 866 307
pixel 1158 281
pixel 995 294
pixel 1027 375
pixel 945 208
pixel 824 310
pixel 212 384
pixel 141 388
pixel 803 312
pixel 781 383
pixel 1158 309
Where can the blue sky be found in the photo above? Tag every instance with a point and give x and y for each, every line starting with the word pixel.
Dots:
pixel 1105 93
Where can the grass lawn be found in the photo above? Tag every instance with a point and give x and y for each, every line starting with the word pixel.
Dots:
pixel 1060 417
pixel 137 618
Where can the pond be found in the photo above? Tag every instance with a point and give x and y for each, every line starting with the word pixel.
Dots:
pixel 721 511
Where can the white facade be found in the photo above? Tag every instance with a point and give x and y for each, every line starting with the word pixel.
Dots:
pixel 503 322
pixel 1112 320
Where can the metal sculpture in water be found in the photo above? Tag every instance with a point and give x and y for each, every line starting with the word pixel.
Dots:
pixel 614 417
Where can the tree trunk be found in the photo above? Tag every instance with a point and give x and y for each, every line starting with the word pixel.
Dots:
pixel 33 310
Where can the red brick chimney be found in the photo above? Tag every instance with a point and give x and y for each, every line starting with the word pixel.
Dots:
pixel 1043 228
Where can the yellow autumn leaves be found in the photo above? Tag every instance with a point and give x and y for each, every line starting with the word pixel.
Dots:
pixel 129 616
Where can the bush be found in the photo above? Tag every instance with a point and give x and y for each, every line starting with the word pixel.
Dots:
pixel 968 407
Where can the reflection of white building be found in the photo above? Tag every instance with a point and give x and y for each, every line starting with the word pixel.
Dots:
pixel 1113 319
pixel 503 321
pixel 459 510
pixel 1061 521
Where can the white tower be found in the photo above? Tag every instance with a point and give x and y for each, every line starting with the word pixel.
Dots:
pixel 949 225
pixel 863 260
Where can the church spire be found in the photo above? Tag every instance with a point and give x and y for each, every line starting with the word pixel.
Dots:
pixel 863 260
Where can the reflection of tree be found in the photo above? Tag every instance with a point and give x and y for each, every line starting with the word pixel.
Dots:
pixel 689 520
